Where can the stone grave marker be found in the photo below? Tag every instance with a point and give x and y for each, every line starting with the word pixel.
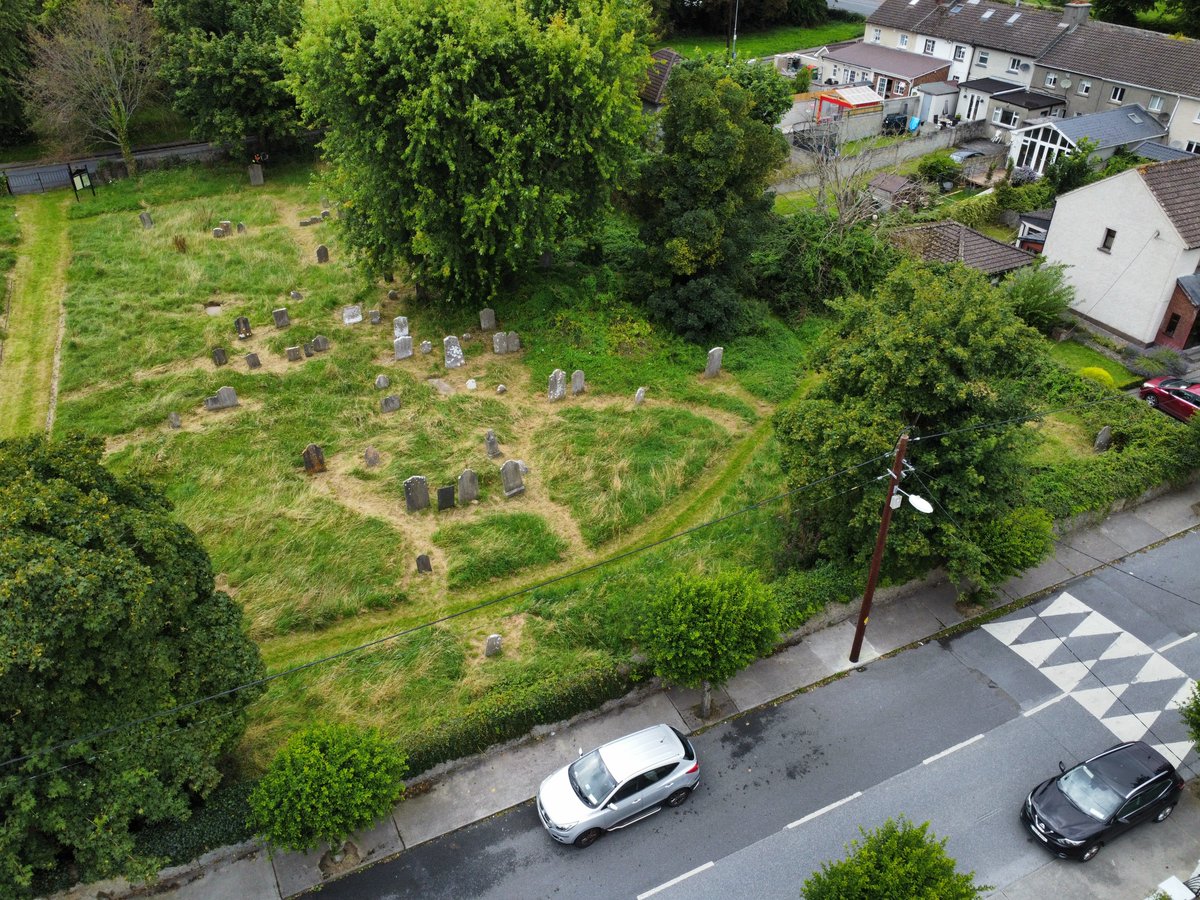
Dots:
pixel 174 421
pixel 256 174
pixel 314 459
pixel 242 324
pixel 522 467
pixel 322 253
pixel 293 354
pixel 225 398
pixel 452 351
pixel 320 343
pixel 1103 439
pixel 281 317
pixel 491 444
pixel 390 403
pixel 510 478
pixel 416 493
pixel 501 389
pixel 468 487
pixel 578 384
pixel 218 232
pixel 487 319
pixel 373 315
pixel 324 214
pixel 252 361
pixel 445 497
pixel 472 384
pixel 558 385
pixel 423 564
pixel 146 220
pixel 381 382
pixel 351 315
pixel 402 347
pixel 305 222
pixel 426 347
pixel 500 342
pixel 227 227
pixel 219 356
pixel 492 646
pixel 324 203
pixel 371 457
pixel 713 366
pixel 296 295
pixel 400 326
pixel 241 227
pixel 514 342
pixel 466 337
pixel 393 294
pixel 640 397
pixel 309 349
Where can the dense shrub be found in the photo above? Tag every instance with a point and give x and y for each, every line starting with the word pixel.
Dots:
pixel 223 819
pixel 802 593
pixel 974 212
pixel 1013 542
pixel 1190 711
pixel 1095 373
pixel 1040 295
pixel 939 167
pixel 1024 198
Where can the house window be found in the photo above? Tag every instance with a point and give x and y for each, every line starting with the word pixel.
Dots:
pixel 1172 324
pixel 1014 64
pixel 960 52
pixel 982 59
pixel 1156 103
pixel 833 74
pixel 1085 87
pixel 1051 79
pixel 877 35
pixel 904 40
pixel 1107 244
pixel 1117 95
pixel 1005 117
pixel 1192 147
pixel 929 45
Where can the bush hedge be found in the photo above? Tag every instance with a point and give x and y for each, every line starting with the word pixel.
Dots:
pixel 803 593
pixel 220 821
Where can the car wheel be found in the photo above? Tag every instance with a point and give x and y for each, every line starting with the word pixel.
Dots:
pixel 678 798
pixel 587 838
pixel 1090 852
pixel 1164 813
pixel 1152 401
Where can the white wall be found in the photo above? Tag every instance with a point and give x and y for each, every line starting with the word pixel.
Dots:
pixel 1185 123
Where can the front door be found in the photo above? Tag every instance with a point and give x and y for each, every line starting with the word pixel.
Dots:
pixel 883 86
pixel 973 106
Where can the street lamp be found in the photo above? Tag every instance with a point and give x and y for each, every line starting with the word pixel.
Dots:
pixel 895 497
pixel 736 4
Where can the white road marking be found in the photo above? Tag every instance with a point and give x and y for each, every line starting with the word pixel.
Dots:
pixel 1041 706
pixel 949 750
pixel 825 809
pixel 1176 643
pixel 674 881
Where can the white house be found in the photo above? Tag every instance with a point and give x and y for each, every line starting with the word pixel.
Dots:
pixel 1040 142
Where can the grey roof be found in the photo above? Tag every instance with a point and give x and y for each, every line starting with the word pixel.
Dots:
pixel 982 24
pixel 1160 152
pixel 1039 218
pixel 949 242
pixel 1129 56
pixel 1191 287
pixel 1028 99
pixel 988 85
pixel 657 75
pixel 887 60
pixel 939 88
pixel 1176 187
pixel 892 184
pixel 1112 127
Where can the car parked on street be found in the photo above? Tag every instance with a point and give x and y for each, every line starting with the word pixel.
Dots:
pixel 1078 812
pixel 1173 396
pixel 618 784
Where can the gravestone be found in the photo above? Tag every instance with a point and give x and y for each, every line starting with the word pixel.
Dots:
pixel 472 384
pixel 416 493
pixel 487 319
pixel 492 445
pixel 174 421
pixel 322 253
pixel 305 222
pixel 445 497
pixel 403 347
pixel 293 354
pixel 640 397
pixel 281 317
pixel 713 366
pixel 390 403
pixel 241 227
pixel 374 316
pixel 510 478
pixel 314 459
pixel 351 315
pixel 381 382
pixel 324 203
pixel 578 385
pixel 393 294
pixel 320 343
pixel 524 469
pixel 500 342
pixel 371 457
pixel 225 398
pixel 218 232
pixel 501 389
pixel 423 564
pixel 452 352
pixel 296 295
pixel 558 385
pixel 514 342
pixel 400 326
pixel 252 361
pixel 256 174
pixel 1103 439
pixel 242 324
pixel 147 221
pixel 219 356
pixel 492 645
pixel 466 337
pixel 324 214
pixel 227 227
pixel 468 487
pixel 426 347
pixel 309 349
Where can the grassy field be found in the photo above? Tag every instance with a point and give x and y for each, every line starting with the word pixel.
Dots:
pixel 755 44
pixel 1076 356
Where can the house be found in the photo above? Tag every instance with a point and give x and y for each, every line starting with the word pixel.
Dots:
pixel 895 191
pixel 654 91
pixel 1031 233
pixel 1132 247
pixel 893 73
pixel 1039 143
pixel 951 242
pixel 939 101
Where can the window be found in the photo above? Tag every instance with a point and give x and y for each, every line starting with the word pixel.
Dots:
pixel 982 59
pixel 1197 119
pixel 1117 95
pixel 1006 117
pixel 877 35
pixel 904 40
pixel 1172 324
pixel 960 52
pixel 1014 64
pixel 1085 87
pixel 1192 147
pixel 1107 244
pixel 833 74
pixel 1156 104
pixel 1051 79
pixel 930 43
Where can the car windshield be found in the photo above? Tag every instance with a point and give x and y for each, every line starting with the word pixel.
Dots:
pixel 590 779
pixel 1089 793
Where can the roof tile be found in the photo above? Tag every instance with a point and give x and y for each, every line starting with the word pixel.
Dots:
pixel 950 242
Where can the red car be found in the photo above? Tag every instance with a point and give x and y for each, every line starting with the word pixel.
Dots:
pixel 1173 396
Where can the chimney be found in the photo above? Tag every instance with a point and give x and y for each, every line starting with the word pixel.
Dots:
pixel 1075 14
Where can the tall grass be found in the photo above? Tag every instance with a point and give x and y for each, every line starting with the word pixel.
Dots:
pixel 497 546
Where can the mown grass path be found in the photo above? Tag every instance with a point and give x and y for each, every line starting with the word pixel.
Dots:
pixel 27 372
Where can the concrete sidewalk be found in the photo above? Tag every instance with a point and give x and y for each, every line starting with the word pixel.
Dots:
pixel 483 785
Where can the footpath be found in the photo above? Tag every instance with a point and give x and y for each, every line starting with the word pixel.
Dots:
pixel 476 788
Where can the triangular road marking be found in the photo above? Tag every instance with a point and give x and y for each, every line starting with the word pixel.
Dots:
pixel 1036 652
pixel 1007 632
pixel 1174 752
pixel 1095 624
pixel 1126 728
pixel 1158 668
pixel 1066 676
pixel 1098 700
pixel 1064 605
pixel 1124 646
pixel 1183 695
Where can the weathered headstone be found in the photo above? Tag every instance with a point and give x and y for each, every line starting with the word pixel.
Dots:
pixel 351 315
pixel 324 214
pixel 225 398
pixel 281 317
pixel 423 564
pixel 147 221
pixel 390 403
pixel 492 646
pixel 309 349
pixel 578 384
pixel 468 487
pixel 296 295
pixel 373 315
pixel 416 493
pixel 402 347
pixel 426 347
pixel 713 367
pixel 524 469
pixel 492 445
pixel 314 459
pixel 381 382
pixel 174 421
pixel 499 342
pixel 640 397
pixel 514 342
pixel 241 227
pixel 218 232
pixel 227 227
pixel 219 356
pixel 487 319
pixel 322 253
pixel 558 385
pixel 256 174
pixel 472 384
pixel 242 324
pixel 293 354
pixel 452 351
pixel 252 361
pixel 501 389
pixel 399 326
pixel 324 203
pixel 445 497
pixel 320 343
pixel 393 294
pixel 510 478
pixel 1103 439
pixel 466 337
pixel 371 457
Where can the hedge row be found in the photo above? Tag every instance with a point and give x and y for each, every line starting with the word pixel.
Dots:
pixel 803 593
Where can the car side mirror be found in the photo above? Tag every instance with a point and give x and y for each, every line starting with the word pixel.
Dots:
pixel 612 806
pixel 1061 767
pixel 581 753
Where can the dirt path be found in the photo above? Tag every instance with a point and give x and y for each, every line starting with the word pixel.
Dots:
pixel 28 374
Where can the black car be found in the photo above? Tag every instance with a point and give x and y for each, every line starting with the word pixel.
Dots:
pixel 1085 807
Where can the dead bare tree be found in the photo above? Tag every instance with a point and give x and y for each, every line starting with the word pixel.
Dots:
pixel 841 182
pixel 92 74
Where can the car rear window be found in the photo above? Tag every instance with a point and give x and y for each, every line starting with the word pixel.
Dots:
pixel 689 752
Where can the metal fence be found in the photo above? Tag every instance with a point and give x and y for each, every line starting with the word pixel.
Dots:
pixel 39 181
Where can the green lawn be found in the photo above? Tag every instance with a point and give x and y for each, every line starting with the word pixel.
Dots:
pixel 1075 356
pixel 755 44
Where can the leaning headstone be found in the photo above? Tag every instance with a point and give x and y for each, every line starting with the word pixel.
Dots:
pixel 445 497
pixel 452 351
pixel 242 324
pixel 501 389
pixel 578 385
pixel 1103 439
pixel 423 564
pixel 309 349
pixel 173 420
pixel 351 315
pixel 296 295
pixel 640 397
pixel 416 493
pixel 472 384
pixel 320 343
pixel 514 342
pixel 510 478
pixel 492 445
pixel 241 227
pixel 403 347
pixel 374 316
pixel 381 382
pixel 322 253
pixel 468 487
pixel 499 342
pixel 256 174
pixel 314 459
pixel 227 227
pixel 390 403
pixel 426 347
pixel 218 232
pixel 293 354
pixel 399 326
pixel 147 222
pixel 487 319
pixel 252 361
pixel 492 646
pixel 371 457
pixel 393 295
pixel 225 398
pixel 281 317
pixel 220 357
pixel 713 366
pixel 558 385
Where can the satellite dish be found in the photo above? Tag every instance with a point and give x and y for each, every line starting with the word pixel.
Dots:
pixel 1066 82
pixel 1024 67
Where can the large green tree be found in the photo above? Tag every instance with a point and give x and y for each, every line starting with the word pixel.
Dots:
pixel 469 137
pixel 108 614
pixel 224 64
pixel 942 353
pixel 17 18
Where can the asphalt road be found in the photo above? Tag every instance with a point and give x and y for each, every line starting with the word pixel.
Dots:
pixel 954 733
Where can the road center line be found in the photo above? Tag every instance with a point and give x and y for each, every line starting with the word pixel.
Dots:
pixel 1176 643
pixel 1041 706
pixel 825 809
pixel 950 750
pixel 676 880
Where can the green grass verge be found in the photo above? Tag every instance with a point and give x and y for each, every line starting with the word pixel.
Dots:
pixel 496 546
pixel 755 44
pixel 1075 356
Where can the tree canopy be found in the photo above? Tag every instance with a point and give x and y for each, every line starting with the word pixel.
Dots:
pixel 17 18
pixel 108 613
pixel 469 137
